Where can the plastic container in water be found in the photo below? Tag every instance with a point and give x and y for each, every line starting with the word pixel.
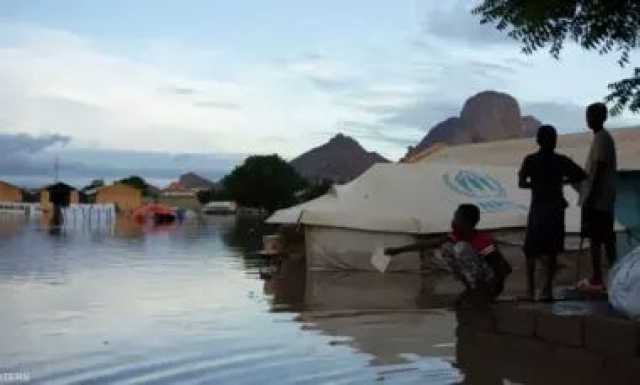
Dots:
pixel 272 245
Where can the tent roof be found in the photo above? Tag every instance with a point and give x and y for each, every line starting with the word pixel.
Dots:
pixel 420 198
pixel 510 153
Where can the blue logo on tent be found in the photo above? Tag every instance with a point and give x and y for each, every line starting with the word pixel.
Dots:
pixel 483 190
pixel 475 185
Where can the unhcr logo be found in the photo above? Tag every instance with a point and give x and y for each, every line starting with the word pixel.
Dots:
pixel 474 185
pixel 484 191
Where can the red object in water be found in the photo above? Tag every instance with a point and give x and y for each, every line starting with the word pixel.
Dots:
pixel 156 212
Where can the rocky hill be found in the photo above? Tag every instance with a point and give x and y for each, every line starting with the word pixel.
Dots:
pixel 192 180
pixel 341 159
pixel 530 126
pixel 486 116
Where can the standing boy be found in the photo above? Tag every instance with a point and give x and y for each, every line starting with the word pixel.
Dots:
pixel 598 196
pixel 545 172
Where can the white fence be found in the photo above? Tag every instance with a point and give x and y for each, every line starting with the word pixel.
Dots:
pixel 74 215
pixel 11 208
pixel 89 214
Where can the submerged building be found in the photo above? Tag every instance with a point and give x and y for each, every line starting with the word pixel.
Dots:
pixel 124 197
pixel 10 193
pixel 60 194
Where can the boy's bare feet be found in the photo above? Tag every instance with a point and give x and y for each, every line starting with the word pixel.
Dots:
pixel 588 286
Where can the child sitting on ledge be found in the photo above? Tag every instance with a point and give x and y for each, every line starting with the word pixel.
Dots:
pixel 471 255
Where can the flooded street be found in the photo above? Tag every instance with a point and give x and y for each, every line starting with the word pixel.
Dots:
pixel 342 192
pixel 187 304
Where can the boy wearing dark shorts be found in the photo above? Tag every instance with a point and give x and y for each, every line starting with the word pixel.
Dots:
pixel 598 196
pixel 545 172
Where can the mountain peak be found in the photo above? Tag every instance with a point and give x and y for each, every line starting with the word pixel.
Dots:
pixel 192 180
pixel 341 139
pixel 341 159
pixel 485 116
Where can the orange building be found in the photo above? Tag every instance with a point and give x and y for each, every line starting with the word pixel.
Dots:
pixel 126 198
pixel 10 193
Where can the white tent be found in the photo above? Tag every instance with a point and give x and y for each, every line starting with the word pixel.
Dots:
pixel 392 203
pixel 510 153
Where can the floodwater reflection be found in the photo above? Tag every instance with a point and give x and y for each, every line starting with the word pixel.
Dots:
pixel 187 304
pixel 397 319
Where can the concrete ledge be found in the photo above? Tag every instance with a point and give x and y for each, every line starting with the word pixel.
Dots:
pixel 612 336
pixel 513 346
pixel 478 321
pixel 514 357
pixel 572 342
pixel 515 320
pixel 564 330
pixel 622 371
pixel 576 366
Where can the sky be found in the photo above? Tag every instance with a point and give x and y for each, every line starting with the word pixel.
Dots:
pixel 163 87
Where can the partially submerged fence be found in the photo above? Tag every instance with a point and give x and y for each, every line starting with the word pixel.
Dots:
pixel 74 215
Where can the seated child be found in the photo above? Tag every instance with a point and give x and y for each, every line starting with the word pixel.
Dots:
pixel 471 255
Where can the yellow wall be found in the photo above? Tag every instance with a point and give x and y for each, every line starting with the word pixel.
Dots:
pixel 45 204
pixel 126 198
pixel 75 197
pixel 9 193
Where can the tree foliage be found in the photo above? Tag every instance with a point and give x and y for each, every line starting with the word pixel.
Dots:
pixel 138 183
pixel 315 190
pixel 213 194
pixel 604 26
pixel 266 182
pixel 94 184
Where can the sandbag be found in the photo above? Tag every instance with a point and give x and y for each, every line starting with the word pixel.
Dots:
pixel 624 285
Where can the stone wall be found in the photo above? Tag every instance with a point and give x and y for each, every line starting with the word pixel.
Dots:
pixel 567 343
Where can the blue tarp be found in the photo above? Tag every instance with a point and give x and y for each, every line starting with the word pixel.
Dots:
pixel 628 210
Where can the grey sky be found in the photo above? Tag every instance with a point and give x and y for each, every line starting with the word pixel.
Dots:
pixel 207 77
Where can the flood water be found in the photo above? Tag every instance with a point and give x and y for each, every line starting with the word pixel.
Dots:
pixel 187 305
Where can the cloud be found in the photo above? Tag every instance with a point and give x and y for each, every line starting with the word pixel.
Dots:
pixel 422 113
pixel 564 116
pixel 12 144
pixel 491 68
pixel 28 155
pixel 20 152
pixel 183 90
pixel 207 96
pixel 108 98
pixel 453 21
pixel 216 104
pixel 322 71
pixel 376 133
pixel 442 88
pixel 100 98
pixel 334 84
